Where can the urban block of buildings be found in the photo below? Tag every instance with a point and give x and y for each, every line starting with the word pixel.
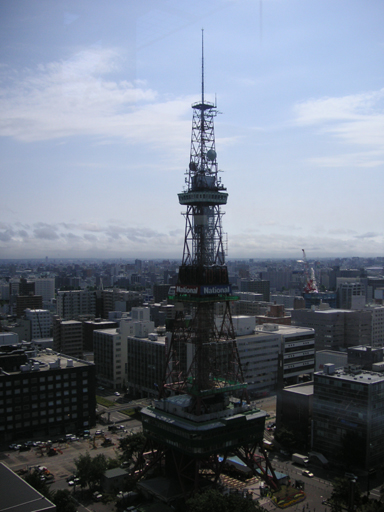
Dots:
pixel 348 415
pixel 44 393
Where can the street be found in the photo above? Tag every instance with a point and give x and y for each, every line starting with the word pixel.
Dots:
pixel 317 489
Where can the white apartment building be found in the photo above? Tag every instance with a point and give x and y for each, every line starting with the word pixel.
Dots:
pixel 298 350
pixel 117 369
pixel 138 324
pixel 259 354
pixel 14 286
pixel 243 324
pixel 9 338
pixel 110 358
pixel 4 291
pixel 288 301
pixel 45 287
pixel 68 337
pixel 350 293
pixel 146 362
pixel 71 304
pixel 41 322
pixel 275 355
pixel 377 333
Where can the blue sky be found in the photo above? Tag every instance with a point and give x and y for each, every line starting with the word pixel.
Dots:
pixel 95 125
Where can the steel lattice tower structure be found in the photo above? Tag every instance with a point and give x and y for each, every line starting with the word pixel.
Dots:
pixel 203 276
pixel 197 422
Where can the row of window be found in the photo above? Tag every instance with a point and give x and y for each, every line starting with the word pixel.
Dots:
pixel 42 379
pixel 38 422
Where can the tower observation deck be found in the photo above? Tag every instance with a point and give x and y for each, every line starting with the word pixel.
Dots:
pixel 203 413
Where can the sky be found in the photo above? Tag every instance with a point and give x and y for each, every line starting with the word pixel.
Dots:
pixel 95 125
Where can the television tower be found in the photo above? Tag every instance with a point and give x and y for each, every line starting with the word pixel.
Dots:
pixel 203 277
pixel 197 422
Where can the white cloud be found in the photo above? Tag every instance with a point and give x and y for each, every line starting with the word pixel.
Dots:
pixel 109 240
pixel 122 240
pixel 74 97
pixel 46 233
pixel 289 245
pixel 369 235
pixel 85 226
pixel 355 119
pixel 365 159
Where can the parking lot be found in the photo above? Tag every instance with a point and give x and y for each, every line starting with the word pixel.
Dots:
pixel 61 467
pixel 58 467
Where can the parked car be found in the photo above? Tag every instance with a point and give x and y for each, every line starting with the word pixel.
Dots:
pixel 307 473
pixel 97 496
pixel 351 476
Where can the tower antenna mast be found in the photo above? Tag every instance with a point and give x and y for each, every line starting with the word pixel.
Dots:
pixel 202 66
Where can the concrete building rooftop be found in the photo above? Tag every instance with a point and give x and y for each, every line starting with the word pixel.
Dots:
pixel 305 388
pixel 47 360
pixel 329 311
pixel 282 329
pixel 155 339
pixel 112 330
pixel 18 496
pixel 365 348
pixel 115 472
pixel 354 375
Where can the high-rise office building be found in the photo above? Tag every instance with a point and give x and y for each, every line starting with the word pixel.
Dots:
pixel 348 415
pixel 41 323
pixel 24 302
pixel 45 287
pixel 74 303
pixel 46 394
pixel 68 337
pixel 110 356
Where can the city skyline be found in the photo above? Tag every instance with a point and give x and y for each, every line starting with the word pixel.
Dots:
pixel 96 125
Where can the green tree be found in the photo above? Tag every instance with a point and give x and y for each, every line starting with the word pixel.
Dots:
pixel 63 501
pixel 373 506
pixel 240 504
pixel 83 469
pixel 34 480
pixel 343 491
pixel 112 463
pixel 131 446
pixel 286 438
pixel 98 468
pixel 211 500
pixel 90 470
pixel 214 501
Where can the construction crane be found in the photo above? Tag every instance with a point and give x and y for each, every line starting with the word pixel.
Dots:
pixel 310 285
